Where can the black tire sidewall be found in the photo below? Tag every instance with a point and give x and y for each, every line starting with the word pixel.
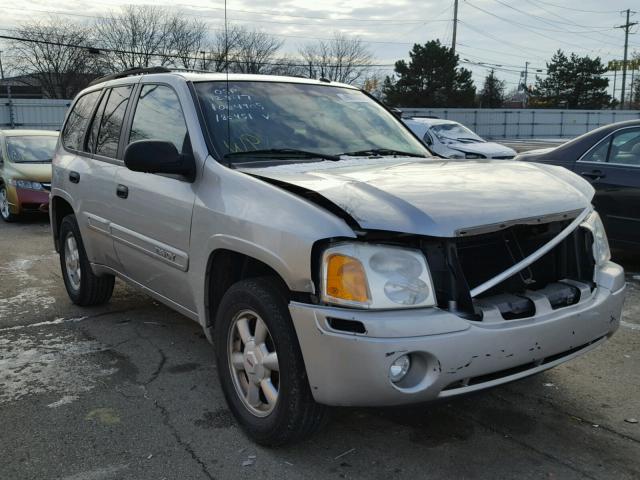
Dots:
pixel 70 225
pixel 256 295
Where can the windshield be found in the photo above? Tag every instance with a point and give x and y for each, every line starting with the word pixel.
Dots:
pixel 31 149
pixel 455 132
pixel 284 117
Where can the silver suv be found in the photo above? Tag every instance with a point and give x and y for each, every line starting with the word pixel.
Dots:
pixel 329 258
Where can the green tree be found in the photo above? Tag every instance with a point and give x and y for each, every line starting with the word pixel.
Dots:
pixel 492 94
pixel 432 78
pixel 572 82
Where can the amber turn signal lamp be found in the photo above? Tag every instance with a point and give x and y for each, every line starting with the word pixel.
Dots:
pixel 346 279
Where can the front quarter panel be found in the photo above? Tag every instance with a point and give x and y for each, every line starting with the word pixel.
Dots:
pixel 238 212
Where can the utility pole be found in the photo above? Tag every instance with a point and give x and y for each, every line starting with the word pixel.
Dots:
pixel 1 69
pixel 626 27
pixel 455 26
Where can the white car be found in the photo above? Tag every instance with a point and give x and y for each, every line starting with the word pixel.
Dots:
pixel 450 139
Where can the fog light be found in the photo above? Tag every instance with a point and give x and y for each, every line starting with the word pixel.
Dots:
pixel 399 368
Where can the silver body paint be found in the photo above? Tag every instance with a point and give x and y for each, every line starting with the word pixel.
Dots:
pixel 162 237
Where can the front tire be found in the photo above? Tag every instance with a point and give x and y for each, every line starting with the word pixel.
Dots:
pixel 260 365
pixel 5 212
pixel 83 286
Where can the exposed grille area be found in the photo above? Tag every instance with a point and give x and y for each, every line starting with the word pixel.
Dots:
pixel 459 265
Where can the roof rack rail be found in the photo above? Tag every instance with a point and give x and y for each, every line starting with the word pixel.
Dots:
pixel 128 73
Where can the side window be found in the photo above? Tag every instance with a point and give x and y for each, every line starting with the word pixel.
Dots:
pixel 74 129
pixel 111 122
pixel 598 154
pixel 95 125
pixel 159 116
pixel 625 147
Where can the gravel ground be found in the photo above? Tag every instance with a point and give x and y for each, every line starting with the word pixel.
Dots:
pixel 129 391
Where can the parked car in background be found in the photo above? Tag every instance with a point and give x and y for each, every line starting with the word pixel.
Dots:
pixel 609 158
pixel 450 139
pixel 25 171
pixel 330 258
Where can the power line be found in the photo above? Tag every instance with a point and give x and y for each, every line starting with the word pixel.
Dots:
pixel 525 26
pixel 577 9
pixel 163 55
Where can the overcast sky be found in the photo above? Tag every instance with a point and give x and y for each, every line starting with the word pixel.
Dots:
pixel 504 33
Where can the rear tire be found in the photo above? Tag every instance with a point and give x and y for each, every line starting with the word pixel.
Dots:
pixel 5 213
pixel 83 286
pixel 269 396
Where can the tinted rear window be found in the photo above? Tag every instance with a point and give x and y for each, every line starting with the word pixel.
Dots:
pixel 74 129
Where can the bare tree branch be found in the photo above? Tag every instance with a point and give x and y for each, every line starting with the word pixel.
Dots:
pixel 46 57
pixel 341 59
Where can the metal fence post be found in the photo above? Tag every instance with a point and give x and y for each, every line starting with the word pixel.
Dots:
pixel 533 123
pixel 561 123
pixel 504 135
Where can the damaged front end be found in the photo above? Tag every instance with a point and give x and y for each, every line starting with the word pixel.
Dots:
pixel 510 300
pixel 490 274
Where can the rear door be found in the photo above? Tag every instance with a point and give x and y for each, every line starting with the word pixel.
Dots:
pixel 84 180
pixel 613 168
pixel 152 218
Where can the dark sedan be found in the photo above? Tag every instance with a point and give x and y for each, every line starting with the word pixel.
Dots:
pixel 609 158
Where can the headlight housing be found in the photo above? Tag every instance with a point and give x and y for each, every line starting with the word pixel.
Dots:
pixel 376 276
pixel 601 252
pixel 27 184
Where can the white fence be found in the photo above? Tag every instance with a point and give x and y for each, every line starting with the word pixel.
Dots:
pixel 492 123
pixel 529 123
pixel 40 114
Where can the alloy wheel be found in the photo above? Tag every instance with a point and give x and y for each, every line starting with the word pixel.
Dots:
pixel 253 363
pixel 4 203
pixel 72 261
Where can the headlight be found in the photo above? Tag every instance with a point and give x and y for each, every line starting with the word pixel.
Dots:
pixel 473 155
pixel 601 252
pixel 26 184
pixel 376 276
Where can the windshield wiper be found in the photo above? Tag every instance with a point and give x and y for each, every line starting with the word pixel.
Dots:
pixel 283 153
pixel 379 152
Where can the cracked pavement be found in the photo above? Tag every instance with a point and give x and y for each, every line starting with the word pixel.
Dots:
pixel 129 390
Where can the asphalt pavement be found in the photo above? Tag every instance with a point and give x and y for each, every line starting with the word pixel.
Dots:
pixel 129 390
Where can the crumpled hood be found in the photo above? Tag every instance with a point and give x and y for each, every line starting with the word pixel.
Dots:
pixel 436 197
pixel 488 149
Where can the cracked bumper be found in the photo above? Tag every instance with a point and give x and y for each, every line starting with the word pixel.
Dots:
pixel 450 355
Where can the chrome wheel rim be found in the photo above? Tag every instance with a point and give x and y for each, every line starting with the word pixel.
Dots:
pixel 4 203
pixel 253 363
pixel 72 261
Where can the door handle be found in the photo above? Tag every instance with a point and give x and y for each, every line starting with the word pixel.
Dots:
pixel 593 175
pixel 74 177
pixel 122 191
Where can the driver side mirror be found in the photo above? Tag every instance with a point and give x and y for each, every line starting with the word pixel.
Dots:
pixel 428 140
pixel 157 156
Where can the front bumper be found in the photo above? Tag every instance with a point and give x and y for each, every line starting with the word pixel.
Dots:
pixel 31 200
pixel 450 355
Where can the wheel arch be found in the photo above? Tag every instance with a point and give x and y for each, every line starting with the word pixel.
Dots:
pixel 59 208
pixel 226 267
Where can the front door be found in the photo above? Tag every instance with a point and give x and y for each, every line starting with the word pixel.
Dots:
pixel 151 216
pixel 613 168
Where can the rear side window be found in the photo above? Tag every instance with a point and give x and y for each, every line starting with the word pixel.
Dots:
pixel 111 122
pixel 74 129
pixel 159 116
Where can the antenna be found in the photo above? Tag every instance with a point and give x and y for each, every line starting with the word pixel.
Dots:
pixel 226 62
